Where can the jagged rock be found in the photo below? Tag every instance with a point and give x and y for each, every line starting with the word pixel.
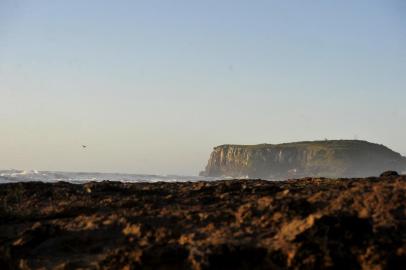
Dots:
pixel 312 223
pixel 338 158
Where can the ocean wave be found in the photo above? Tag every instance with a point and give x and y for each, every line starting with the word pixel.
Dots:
pixel 10 176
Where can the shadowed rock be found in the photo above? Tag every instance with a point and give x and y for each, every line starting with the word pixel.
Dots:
pixel 389 174
pixel 312 223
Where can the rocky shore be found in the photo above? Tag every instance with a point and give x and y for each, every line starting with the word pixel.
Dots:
pixel 310 223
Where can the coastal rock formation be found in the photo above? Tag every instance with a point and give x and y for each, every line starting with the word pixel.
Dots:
pixel 338 158
pixel 312 223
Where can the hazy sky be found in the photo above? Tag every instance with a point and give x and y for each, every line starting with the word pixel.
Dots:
pixel 151 86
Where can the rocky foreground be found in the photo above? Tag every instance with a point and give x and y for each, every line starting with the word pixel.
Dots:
pixel 239 224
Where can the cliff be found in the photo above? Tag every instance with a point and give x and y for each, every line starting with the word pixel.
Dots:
pixel 335 158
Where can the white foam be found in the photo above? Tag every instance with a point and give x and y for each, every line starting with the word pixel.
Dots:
pixel 7 176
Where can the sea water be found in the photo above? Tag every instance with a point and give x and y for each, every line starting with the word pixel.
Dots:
pixel 12 176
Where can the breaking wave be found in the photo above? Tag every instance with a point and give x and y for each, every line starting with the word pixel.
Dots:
pixel 10 176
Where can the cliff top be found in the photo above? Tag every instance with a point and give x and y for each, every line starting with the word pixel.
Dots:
pixel 320 143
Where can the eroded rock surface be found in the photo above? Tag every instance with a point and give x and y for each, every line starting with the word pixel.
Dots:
pixel 310 223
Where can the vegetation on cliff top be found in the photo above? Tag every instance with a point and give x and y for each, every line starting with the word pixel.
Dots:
pixel 336 144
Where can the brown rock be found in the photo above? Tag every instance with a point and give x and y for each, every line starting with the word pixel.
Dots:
pixel 312 223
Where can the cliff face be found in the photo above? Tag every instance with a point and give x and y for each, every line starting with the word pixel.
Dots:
pixel 341 158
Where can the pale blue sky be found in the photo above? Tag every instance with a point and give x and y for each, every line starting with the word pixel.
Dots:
pixel 151 86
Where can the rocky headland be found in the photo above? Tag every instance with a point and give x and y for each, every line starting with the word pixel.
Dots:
pixel 328 158
pixel 311 223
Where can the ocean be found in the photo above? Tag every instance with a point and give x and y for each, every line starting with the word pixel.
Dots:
pixel 12 176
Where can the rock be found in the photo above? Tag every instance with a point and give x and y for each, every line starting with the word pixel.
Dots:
pixel 334 159
pixel 311 223
pixel 389 174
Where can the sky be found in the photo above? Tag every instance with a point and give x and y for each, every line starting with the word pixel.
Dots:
pixel 152 86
